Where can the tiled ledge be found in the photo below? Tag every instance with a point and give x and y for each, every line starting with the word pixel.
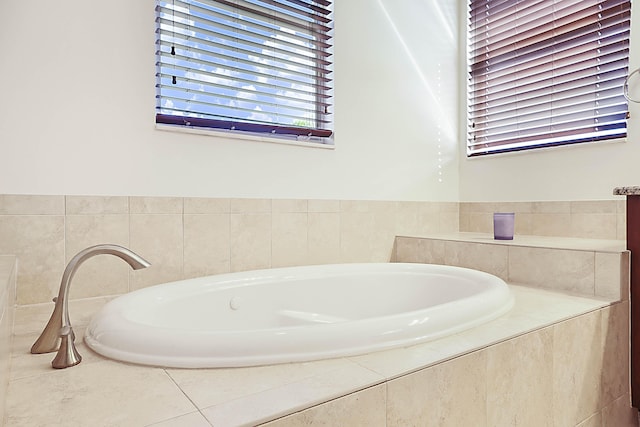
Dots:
pixel 589 267
pixel 250 396
pixel 549 242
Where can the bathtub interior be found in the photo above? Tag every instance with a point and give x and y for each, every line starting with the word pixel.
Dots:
pixel 262 304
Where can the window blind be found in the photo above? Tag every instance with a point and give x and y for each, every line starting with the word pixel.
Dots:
pixel 257 65
pixel 546 72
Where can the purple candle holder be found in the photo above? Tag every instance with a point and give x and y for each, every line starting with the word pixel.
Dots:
pixel 503 225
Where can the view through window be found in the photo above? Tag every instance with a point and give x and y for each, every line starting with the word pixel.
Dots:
pixel 259 66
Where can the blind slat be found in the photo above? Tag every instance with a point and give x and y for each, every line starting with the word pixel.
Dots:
pixel 265 63
pixel 546 73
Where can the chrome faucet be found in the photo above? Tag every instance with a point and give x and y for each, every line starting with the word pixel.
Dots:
pixel 58 334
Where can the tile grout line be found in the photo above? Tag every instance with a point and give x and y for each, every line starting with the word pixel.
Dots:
pixel 188 398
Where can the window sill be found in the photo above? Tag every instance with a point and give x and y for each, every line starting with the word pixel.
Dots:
pixel 546 149
pixel 245 136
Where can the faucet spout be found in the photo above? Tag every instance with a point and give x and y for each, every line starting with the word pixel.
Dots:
pixel 58 328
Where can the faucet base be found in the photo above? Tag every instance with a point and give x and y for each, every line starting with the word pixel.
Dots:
pixel 67 354
pixel 49 339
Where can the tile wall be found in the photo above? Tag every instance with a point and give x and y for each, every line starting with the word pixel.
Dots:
pixel 596 268
pixel 573 373
pixel 191 237
pixel 599 219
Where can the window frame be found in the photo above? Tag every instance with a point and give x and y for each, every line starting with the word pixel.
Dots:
pixel 321 95
pixel 476 148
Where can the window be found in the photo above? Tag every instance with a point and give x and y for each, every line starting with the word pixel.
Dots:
pixel 546 72
pixel 258 66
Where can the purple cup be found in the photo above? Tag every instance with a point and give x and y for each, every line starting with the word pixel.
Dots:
pixel 503 224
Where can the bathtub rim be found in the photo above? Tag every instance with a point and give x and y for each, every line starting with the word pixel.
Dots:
pixel 260 360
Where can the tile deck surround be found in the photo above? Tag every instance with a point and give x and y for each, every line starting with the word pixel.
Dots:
pixel 378 389
pixel 105 392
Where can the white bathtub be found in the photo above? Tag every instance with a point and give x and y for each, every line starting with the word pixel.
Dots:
pixel 294 314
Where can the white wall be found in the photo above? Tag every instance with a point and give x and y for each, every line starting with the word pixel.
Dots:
pixel 77 109
pixel 581 172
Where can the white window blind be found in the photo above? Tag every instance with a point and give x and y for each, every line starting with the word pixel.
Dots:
pixel 546 72
pixel 257 66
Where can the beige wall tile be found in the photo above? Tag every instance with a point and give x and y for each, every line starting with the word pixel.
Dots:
pixel 250 205
pixel 594 225
pixel 615 341
pixel 103 274
pixel 156 205
pixel 594 420
pixel 516 207
pixel 449 222
pixel 201 205
pixel 96 205
pixel 450 394
pixel 523 224
pixel 482 207
pixel 366 236
pixel 356 236
pixel 250 241
pixel 31 205
pixel 426 251
pixel 466 207
pixel 407 219
pixel 551 224
pixel 365 408
pixel 38 242
pixel 489 258
pixel 593 206
pixel 379 206
pixel 464 223
pixel 323 237
pixel 621 226
pixel 519 382
pixel 206 244
pixel 429 207
pixel 429 222
pixel 612 275
pixel 159 239
pixel 621 219
pixel 480 222
pixel 354 206
pixel 289 239
pixel 577 360
pixel 289 205
pixel 323 205
pixel 551 207
pixel 449 207
pixel 620 414
pixel 407 249
pixel 553 269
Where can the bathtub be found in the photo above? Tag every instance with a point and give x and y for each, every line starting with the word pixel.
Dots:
pixel 294 314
